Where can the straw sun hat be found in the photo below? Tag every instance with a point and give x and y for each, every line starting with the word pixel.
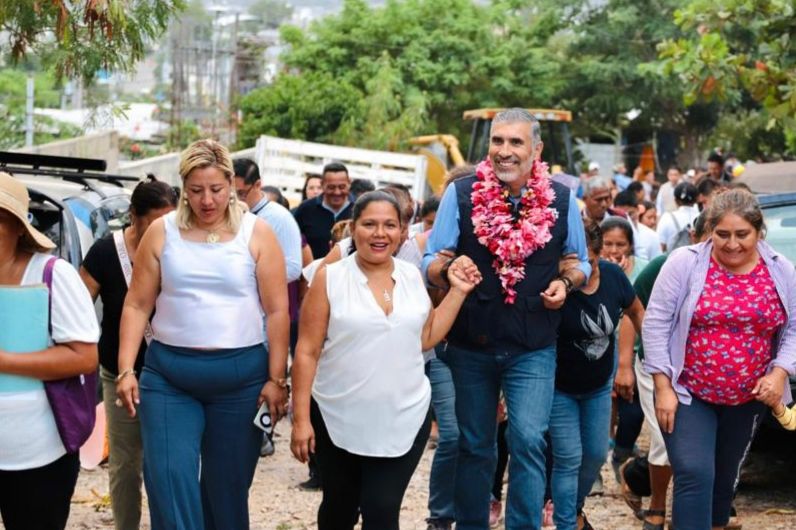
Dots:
pixel 14 199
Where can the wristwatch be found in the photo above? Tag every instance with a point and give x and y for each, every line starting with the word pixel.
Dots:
pixel 443 272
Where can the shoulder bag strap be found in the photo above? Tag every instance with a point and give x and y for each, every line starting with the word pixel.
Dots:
pixel 127 271
pixel 676 224
pixel 47 278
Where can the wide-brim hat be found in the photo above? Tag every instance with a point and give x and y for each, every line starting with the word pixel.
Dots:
pixel 14 199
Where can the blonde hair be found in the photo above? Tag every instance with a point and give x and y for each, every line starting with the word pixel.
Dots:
pixel 199 155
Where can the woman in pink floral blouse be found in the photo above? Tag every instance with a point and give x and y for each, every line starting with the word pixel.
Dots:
pixel 720 341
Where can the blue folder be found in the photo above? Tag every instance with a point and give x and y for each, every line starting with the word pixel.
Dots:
pixel 24 324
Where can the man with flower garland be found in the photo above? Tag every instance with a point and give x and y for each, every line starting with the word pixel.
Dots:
pixel 517 225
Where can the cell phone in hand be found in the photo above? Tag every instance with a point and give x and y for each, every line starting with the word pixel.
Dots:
pixel 262 420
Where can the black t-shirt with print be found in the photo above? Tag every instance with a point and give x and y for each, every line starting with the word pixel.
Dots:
pixel 102 263
pixel 587 333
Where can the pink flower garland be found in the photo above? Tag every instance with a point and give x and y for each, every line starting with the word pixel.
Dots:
pixel 512 241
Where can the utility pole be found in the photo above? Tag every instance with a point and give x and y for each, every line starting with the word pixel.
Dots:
pixel 233 85
pixel 214 80
pixel 29 113
pixel 176 90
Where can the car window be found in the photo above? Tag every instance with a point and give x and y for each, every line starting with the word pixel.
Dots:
pixel 781 233
pixel 46 218
pixel 109 215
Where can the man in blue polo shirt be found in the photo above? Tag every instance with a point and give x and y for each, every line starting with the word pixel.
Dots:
pixel 505 339
pixel 317 216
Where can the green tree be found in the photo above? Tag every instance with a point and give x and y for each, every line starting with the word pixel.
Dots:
pixel 390 112
pixel 737 45
pixel 740 53
pixel 415 66
pixel 81 38
pixel 13 92
pixel 311 107
pixel 609 77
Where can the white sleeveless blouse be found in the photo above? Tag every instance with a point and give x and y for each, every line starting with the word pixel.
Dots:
pixel 208 297
pixel 370 385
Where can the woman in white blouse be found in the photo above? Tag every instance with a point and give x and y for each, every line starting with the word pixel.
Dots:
pixel 361 396
pixel 37 472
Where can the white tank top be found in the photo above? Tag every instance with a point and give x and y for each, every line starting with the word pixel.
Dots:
pixel 371 386
pixel 208 291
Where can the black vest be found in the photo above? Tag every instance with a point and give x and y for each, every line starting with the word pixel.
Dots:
pixel 486 322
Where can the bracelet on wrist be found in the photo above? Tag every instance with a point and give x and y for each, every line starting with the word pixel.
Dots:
pixel 568 284
pixel 123 374
pixel 281 382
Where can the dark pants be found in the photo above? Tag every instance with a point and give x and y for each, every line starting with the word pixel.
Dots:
pixel 630 418
pixel 38 499
pixel 502 460
pixel 706 450
pixel 200 443
pixel 354 484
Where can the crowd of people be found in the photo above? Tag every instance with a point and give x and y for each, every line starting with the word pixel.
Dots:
pixel 523 323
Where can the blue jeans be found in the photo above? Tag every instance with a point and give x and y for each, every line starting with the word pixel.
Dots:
pixel 443 467
pixel 198 406
pixel 706 450
pixel 527 381
pixel 579 426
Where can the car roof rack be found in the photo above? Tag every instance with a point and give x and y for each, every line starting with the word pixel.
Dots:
pixel 71 169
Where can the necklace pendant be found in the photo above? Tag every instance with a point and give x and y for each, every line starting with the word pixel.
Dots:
pixel 387 297
pixel 213 237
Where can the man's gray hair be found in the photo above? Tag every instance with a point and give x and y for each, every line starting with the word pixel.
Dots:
pixel 516 114
pixel 595 184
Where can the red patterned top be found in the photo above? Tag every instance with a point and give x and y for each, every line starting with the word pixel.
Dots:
pixel 730 340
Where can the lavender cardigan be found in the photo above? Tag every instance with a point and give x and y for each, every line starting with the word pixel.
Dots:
pixel 673 301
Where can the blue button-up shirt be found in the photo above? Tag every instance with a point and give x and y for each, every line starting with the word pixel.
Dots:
pixel 445 234
pixel 286 231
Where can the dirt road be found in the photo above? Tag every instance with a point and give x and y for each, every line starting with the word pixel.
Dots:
pixel 766 500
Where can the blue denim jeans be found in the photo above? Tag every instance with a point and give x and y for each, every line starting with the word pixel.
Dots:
pixel 707 449
pixel 579 426
pixel 527 381
pixel 443 467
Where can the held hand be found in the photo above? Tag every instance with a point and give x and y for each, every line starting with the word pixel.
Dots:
pixel 769 388
pixel 463 274
pixel 665 407
pixel 127 390
pixel 276 397
pixel 554 296
pixel 302 441
pixel 624 382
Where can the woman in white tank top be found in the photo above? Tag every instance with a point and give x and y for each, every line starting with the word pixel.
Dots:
pixel 361 395
pixel 211 271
